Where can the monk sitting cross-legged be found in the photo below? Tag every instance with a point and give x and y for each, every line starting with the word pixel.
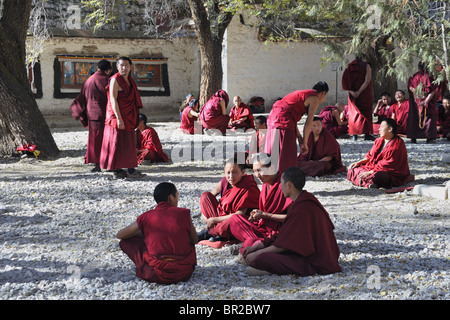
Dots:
pixel 148 144
pixel 161 242
pixel 265 221
pixel 306 244
pixel 324 153
pixel 239 194
pixel 386 164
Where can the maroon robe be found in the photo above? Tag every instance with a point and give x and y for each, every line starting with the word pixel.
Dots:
pixel 211 113
pixel 359 109
pixel 150 145
pixel 239 113
pixel 401 111
pixel 308 237
pixel 163 254
pixel 390 165
pixel 119 146
pixel 422 120
pixel 330 123
pixel 188 124
pixel 245 194
pixel 281 127
pixel 385 112
pixel 90 108
pixel 444 123
pixel 271 200
pixel 325 146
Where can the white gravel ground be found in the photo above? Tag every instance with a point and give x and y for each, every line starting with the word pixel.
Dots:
pixel 59 221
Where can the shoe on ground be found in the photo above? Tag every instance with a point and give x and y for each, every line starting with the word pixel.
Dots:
pixel 203 235
pixel 256 272
pixel 355 137
pixel 413 140
pixel 431 140
pixel 136 175
pixel 374 186
pixel 120 174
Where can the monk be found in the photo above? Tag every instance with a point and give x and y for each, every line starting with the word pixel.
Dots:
pixel 265 221
pixel 333 121
pixel 148 144
pixel 306 244
pixel 357 80
pixel 239 194
pixel 90 108
pixel 258 139
pixel 282 129
pixel 161 242
pixel 443 124
pixel 400 111
pixel 122 119
pixel 386 164
pixel 324 153
pixel 422 115
pixel 383 110
pixel 185 103
pixel 189 117
pixel 241 117
pixel 213 114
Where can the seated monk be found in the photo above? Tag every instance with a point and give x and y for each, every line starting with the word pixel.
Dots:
pixel 265 221
pixel 383 110
pixel 161 242
pixel 443 121
pixel 332 119
pixel 239 194
pixel 189 117
pixel 306 244
pixel 324 153
pixel 148 144
pixel 257 140
pixel 241 117
pixel 386 164
pixel 213 114
pixel 400 111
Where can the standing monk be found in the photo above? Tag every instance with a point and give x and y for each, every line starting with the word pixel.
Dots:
pixel 306 244
pixel 282 129
pixel 214 113
pixel 91 104
pixel 400 111
pixel 422 115
pixel 386 163
pixel 122 118
pixel 161 242
pixel 239 194
pixel 241 116
pixel 357 80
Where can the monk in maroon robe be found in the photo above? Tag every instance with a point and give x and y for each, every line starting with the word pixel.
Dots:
pixel 257 140
pixel 422 115
pixel 332 119
pixel 90 108
pixel 241 117
pixel 122 118
pixel 306 244
pixel 443 123
pixel 386 164
pixel 282 130
pixel 148 144
pixel 239 194
pixel 189 117
pixel 161 242
pixel 324 153
pixel 400 111
pixel 264 222
pixel 357 80
pixel 214 113
pixel 383 110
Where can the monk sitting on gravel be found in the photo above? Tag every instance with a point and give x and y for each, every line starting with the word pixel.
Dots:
pixel 306 244
pixel 161 242
pixel 149 146
pixel 324 153
pixel 239 194
pixel 386 164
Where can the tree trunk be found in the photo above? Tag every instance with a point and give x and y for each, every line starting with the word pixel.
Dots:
pixel 21 121
pixel 210 45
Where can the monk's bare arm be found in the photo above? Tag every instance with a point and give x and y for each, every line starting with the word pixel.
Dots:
pixel 312 103
pixel 223 106
pixel 337 116
pixel 216 190
pixel 113 92
pixel 256 215
pixel 215 220
pixel 131 231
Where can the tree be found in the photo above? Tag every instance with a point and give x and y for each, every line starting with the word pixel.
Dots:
pixel 21 121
